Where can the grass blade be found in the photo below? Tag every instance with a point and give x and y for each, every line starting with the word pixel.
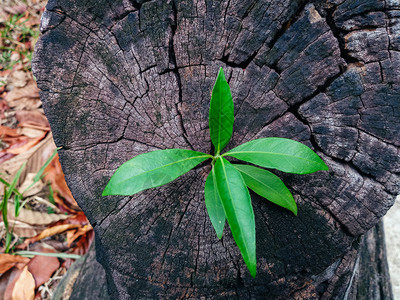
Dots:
pixel 4 208
pixel 9 237
pixel 7 184
pixel 59 255
pixel 17 204
pixel 15 181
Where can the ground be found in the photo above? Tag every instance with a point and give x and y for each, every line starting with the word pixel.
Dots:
pixel 40 215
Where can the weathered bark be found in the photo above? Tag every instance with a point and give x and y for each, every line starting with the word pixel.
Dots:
pixel 85 279
pixel 120 78
pixel 370 278
pixel 363 275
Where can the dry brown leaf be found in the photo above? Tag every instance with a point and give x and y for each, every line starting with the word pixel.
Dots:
pixel 41 155
pixel 4 157
pixel 22 229
pixel 24 288
pixel 30 132
pixel 32 21
pixel 55 175
pixel 4 73
pixel 64 205
pixel 29 180
pixel 37 127
pixel 5 114
pixel 34 158
pixel 7 131
pixel 26 97
pixel 73 235
pixel 32 118
pixel 35 217
pixel 22 148
pixel 42 267
pixel 70 234
pixel 49 232
pixel 18 79
pixel 11 140
pixel 18 9
pixel 81 248
pixel 7 281
pixel 7 261
pixel 83 245
pixel 15 141
pixel 78 218
pixel 15 56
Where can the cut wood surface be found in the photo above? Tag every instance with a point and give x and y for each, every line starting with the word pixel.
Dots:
pixel 119 78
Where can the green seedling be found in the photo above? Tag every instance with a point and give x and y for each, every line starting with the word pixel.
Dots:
pixel 12 193
pixel 226 188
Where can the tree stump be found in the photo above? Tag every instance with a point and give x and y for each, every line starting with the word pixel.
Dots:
pixel 123 77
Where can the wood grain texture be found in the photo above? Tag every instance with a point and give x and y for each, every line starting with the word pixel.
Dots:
pixel 120 78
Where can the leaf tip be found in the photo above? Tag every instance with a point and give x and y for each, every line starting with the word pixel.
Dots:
pixel 106 191
pixel 294 210
pixel 221 74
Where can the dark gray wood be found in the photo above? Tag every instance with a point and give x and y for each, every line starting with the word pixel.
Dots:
pixel 359 275
pixel 120 78
pixel 371 279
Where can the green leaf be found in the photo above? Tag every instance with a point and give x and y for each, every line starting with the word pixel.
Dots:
pixel 221 113
pixel 17 204
pixel 152 169
pixel 4 208
pixel 9 237
pixel 267 185
pixel 278 153
pixel 238 210
pixel 214 204
pixel 51 194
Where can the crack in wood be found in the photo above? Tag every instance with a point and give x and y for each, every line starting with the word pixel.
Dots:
pixel 337 34
pixel 175 70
